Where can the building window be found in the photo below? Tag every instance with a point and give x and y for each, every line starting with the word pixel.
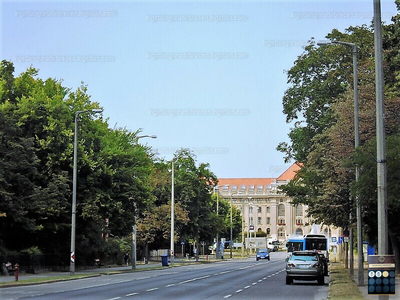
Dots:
pixel 299 222
pixel 299 210
pixel 268 209
pixel 250 209
pixel 281 221
pixel 281 210
pixel 259 221
pixel 299 231
pixel 268 231
pixel 281 200
pixel 251 221
pixel 268 220
pixel 281 232
pixel 259 209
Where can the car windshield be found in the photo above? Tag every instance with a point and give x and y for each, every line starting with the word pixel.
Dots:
pixel 262 251
pixel 304 257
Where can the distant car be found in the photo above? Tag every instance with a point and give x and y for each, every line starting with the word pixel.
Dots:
pixel 262 254
pixel 304 265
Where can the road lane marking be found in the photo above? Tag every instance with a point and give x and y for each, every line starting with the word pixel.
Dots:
pixel 115 298
pixel 153 289
pixel 169 285
pixel 132 294
pixel 247 286
pixel 227 296
pixel 238 291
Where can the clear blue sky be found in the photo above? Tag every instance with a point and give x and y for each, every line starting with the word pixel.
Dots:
pixel 204 75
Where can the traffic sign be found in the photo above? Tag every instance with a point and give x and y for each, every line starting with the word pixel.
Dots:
pixel 72 256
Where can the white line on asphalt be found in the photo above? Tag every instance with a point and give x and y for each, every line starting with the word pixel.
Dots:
pixel 254 283
pixel 169 285
pixel 132 294
pixel 238 291
pixel 115 298
pixel 227 296
pixel 247 286
pixel 153 289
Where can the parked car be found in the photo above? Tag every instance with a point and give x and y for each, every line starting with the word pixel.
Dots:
pixel 304 265
pixel 262 254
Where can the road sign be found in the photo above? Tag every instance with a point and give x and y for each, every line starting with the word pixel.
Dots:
pixel 346 239
pixel 251 228
pixel 72 256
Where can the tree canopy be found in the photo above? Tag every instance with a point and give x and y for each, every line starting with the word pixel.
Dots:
pixel 120 181
pixel 320 99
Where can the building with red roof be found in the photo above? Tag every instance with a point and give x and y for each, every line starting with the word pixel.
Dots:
pixel 265 208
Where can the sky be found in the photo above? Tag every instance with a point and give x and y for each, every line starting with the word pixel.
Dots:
pixel 203 75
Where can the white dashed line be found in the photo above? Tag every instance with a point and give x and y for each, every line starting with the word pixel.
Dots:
pixel 153 289
pixel 238 291
pixel 227 296
pixel 132 294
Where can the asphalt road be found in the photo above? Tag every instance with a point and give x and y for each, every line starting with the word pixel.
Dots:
pixel 233 279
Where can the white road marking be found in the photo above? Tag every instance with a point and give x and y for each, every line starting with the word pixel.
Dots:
pixel 153 289
pixel 238 291
pixel 132 294
pixel 227 296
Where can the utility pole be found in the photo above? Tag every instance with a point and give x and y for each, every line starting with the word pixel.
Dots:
pixel 380 137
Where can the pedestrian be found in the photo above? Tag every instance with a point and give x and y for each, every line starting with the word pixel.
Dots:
pixel 126 258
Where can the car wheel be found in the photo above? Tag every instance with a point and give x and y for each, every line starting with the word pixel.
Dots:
pixel 321 280
pixel 289 280
pixel 268 258
pixel 256 259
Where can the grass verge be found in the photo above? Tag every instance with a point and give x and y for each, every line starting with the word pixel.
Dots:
pixel 342 286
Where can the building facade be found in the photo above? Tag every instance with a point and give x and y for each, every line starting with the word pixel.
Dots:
pixel 265 208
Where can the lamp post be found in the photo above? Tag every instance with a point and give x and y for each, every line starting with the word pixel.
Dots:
pixel 250 205
pixel 356 144
pixel 134 227
pixel 217 243
pixel 231 236
pixel 172 214
pixel 74 179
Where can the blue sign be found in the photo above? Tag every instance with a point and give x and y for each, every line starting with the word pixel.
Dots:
pixel 340 241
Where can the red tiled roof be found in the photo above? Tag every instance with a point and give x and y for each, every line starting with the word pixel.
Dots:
pixel 289 173
pixel 244 181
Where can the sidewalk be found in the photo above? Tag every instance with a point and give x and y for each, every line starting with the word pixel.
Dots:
pixel 94 271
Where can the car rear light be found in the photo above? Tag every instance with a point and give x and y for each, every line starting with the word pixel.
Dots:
pixel 316 265
pixel 291 265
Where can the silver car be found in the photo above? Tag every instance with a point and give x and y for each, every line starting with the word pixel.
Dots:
pixel 304 265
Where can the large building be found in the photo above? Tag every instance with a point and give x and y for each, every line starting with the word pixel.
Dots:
pixel 265 208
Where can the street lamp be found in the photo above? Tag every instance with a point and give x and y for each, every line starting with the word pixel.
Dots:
pixel 217 245
pixel 172 214
pixel 134 227
pixel 356 144
pixel 231 242
pixel 74 178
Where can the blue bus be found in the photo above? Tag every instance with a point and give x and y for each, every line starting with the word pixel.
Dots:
pixel 296 243
pixel 317 242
